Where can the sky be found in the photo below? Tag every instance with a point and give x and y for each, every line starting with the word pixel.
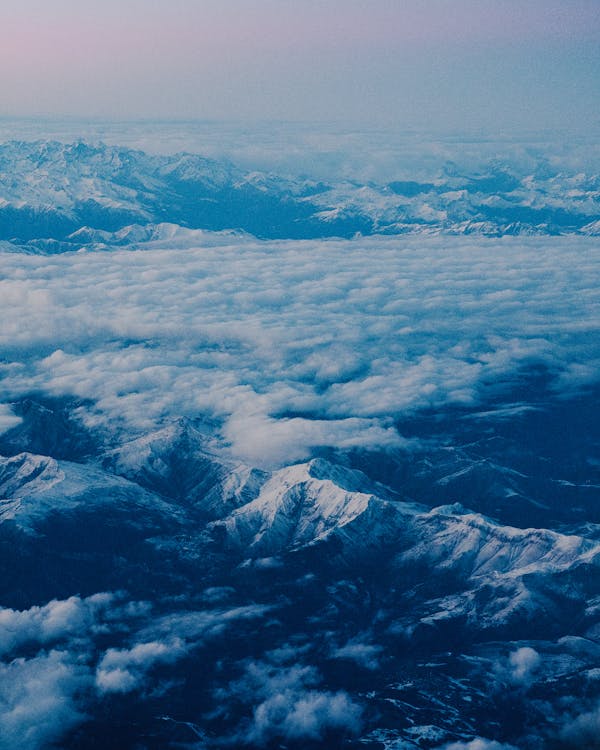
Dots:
pixel 452 63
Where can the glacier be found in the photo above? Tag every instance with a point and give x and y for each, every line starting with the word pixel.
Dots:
pixel 296 451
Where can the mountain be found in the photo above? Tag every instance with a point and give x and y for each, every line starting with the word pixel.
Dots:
pixel 397 602
pixel 183 463
pixel 270 493
pixel 56 197
pixel 306 504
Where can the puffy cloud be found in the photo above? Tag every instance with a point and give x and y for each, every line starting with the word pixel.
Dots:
pixel 523 663
pixel 306 715
pixel 117 680
pixel 43 697
pixel 583 730
pixel 286 704
pixel 165 640
pixel 364 654
pixel 257 437
pixel 479 743
pixel 55 621
pixel 197 625
pixel 519 668
pixel 295 345
pixel 39 699
pixel 8 420
pixel 122 670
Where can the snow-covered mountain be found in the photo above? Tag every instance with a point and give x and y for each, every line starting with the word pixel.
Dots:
pixel 183 463
pixel 323 565
pixel 55 197
pixel 332 493
pixel 35 487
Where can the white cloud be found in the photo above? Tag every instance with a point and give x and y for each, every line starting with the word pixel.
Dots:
pixel 583 730
pixel 523 664
pixel 304 715
pixel 479 743
pixel 295 345
pixel 42 697
pixel 122 670
pixel 117 680
pixel 195 626
pixel 38 699
pixel 258 437
pixel 365 654
pixel 519 669
pixel 287 704
pixel 8 420
pixel 55 621
pixel 165 640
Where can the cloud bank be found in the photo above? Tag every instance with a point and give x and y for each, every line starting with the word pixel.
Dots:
pixel 292 346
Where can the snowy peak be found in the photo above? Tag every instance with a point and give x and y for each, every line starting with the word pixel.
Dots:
pixel 26 474
pixel 306 504
pixel 495 576
pixel 450 537
pixel 50 191
pixel 294 508
pixel 184 463
pixel 33 488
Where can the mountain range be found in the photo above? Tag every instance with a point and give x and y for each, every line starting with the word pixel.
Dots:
pixel 56 197
pixel 269 479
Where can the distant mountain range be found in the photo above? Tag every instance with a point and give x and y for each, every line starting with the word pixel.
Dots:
pixel 50 192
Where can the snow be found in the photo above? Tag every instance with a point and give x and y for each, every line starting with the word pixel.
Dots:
pixel 293 509
pixel 68 179
pixel 33 487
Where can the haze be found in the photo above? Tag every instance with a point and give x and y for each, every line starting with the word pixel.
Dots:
pixel 456 64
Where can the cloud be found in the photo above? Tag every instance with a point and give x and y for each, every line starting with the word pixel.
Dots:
pixel 196 626
pixel 307 715
pixel 257 437
pixel 217 594
pixel 286 704
pixel 291 346
pixel 123 670
pixel 55 621
pixel 365 655
pixel 519 668
pixel 332 154
pixel 523 664
pixel 583 730
pixel 42 697
pixel 39 700
pixel 479 743
pixel 8 420
pixel 165 640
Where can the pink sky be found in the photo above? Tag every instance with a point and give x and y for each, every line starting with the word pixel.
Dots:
pixel 197 57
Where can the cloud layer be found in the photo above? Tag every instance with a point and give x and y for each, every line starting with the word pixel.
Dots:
pixel 290 346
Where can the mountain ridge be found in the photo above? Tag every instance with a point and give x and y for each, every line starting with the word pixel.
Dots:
pixel 50 191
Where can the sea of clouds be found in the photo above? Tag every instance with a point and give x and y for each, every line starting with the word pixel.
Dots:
pixel 289 346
